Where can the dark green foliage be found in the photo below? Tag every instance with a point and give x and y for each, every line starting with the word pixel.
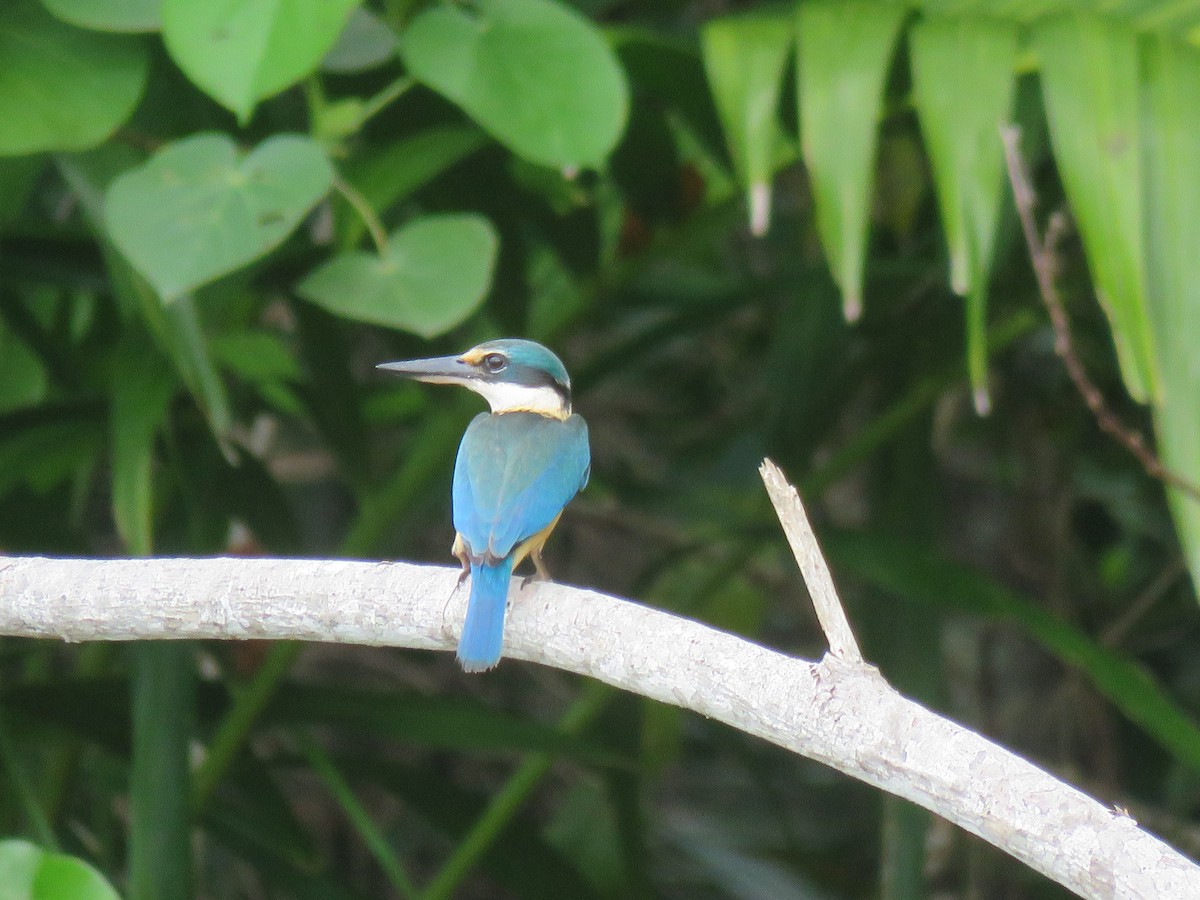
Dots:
pixel 208 238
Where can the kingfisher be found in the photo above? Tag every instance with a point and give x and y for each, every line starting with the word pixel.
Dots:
pixel 518 467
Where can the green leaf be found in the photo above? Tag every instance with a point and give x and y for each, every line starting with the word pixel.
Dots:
pixel 744 57
pixel 841 72
pixel 141 394
pixel 1172 147
pixel 23 379
pixel 1089 73
pixel 534 74
pixel 27 872
pixel 175 326
pixel 436 272
pixel 243 52
pixel 963 81
pixel 391 173
pixel 914 573
pixel 47 451
pixel 62 88
pixel 365 42
pixel 108 15
pixel 18 175
pixel 258 356
pixel 198 209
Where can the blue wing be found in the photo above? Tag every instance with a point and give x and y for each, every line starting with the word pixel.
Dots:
pixel 514 474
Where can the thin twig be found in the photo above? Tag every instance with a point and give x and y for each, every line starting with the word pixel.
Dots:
pixel 812 563
pixel 365 212
pixel 384 98
pixel 1045 268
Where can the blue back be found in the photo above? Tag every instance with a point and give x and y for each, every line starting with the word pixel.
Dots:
pixel 514 473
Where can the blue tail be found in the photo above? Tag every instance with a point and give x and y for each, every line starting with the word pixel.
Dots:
pixel 483 632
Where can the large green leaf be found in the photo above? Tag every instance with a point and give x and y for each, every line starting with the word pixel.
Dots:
pixel 27 872
pixel 435 272
pixel 198 209
pixel 108 15
pixel 1090 81
pixel 242 52
pixel 535 74
pixel 744 57
pixel 963 77
pixel 841 73
pixel 1172 148
pixel 62 88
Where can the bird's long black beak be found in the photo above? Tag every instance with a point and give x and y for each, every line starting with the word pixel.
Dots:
pixel 436 370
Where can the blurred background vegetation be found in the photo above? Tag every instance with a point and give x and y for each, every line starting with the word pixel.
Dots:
pixel 748 230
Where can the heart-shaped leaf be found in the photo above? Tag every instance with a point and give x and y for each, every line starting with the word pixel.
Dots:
pixel 534 74
pixel 240 53
pixel 197 209
pixel 436 272
pixel 62 88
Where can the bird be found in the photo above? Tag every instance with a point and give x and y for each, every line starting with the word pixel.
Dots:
pixel 517 468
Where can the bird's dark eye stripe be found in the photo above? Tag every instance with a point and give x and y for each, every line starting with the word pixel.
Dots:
pixel 494 362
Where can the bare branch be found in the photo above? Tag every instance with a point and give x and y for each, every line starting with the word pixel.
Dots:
pixel 1045 268
pixel 844 716
pixel 812 563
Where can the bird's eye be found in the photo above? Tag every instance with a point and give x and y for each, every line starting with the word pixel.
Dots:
pixel 495 362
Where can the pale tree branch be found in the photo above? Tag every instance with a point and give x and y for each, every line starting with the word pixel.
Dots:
pixel 838 711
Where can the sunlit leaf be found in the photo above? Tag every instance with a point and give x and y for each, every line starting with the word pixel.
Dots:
pixel 198 209
pixel 840 79
pixel 744 57
pixel 963 77
pixel 435 272
pixel 562 105
pixel 62 88
pixel 1089 71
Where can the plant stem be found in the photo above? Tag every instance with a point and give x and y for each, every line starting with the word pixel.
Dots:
pixel 359 818
pixel 248 704
pixel 365 212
